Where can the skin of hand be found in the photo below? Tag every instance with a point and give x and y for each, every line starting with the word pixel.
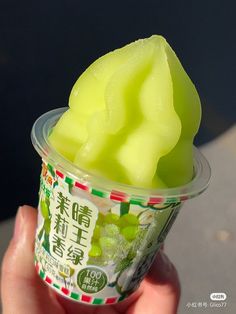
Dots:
pixel 23 292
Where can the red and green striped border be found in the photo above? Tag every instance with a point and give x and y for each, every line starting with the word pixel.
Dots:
pixel 114 195
pixel 84 298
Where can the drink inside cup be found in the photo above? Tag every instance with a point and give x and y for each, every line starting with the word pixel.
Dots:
pixel 99 231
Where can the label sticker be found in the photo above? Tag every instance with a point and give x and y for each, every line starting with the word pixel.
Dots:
pixel 91 279
pixel 93 249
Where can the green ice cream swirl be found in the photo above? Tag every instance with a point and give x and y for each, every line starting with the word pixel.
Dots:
pixel 133 117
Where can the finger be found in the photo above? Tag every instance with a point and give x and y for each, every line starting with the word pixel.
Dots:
pixel 160 289
pixel 22 290
pixel 163 273
pixel 74 307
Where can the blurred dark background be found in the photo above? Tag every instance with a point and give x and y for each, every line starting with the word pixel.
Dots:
pixel 45 46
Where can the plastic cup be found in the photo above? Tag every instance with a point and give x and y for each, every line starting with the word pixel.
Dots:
pixel 96 239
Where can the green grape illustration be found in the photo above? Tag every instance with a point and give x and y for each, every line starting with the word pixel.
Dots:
pixel 97 232
pixel 95 250
pixel 113 237
pixel 129 224
pixel 100 218
pixel 110 230
pixel 111 218
pixel 128 219
pixel 108 246
pixel 130 232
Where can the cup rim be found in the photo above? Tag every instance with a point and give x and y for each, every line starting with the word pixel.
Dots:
pixel 39 138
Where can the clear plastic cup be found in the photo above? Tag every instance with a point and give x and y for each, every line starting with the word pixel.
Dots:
pixel 96 239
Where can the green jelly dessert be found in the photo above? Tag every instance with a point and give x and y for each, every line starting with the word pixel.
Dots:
pixel 132 118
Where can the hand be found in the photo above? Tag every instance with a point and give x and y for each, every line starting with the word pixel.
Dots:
pixel 23 292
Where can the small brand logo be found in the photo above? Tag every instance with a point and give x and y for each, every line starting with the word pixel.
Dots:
pixel 218 296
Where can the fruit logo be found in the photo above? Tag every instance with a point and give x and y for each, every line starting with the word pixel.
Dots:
pixel 66 275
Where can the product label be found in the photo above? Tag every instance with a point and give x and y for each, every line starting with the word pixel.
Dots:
pixel 72 222
pixel 90 247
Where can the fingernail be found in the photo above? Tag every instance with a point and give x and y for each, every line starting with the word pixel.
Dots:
pixel 18 224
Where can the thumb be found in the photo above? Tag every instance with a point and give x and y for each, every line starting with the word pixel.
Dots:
pixel 22 290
